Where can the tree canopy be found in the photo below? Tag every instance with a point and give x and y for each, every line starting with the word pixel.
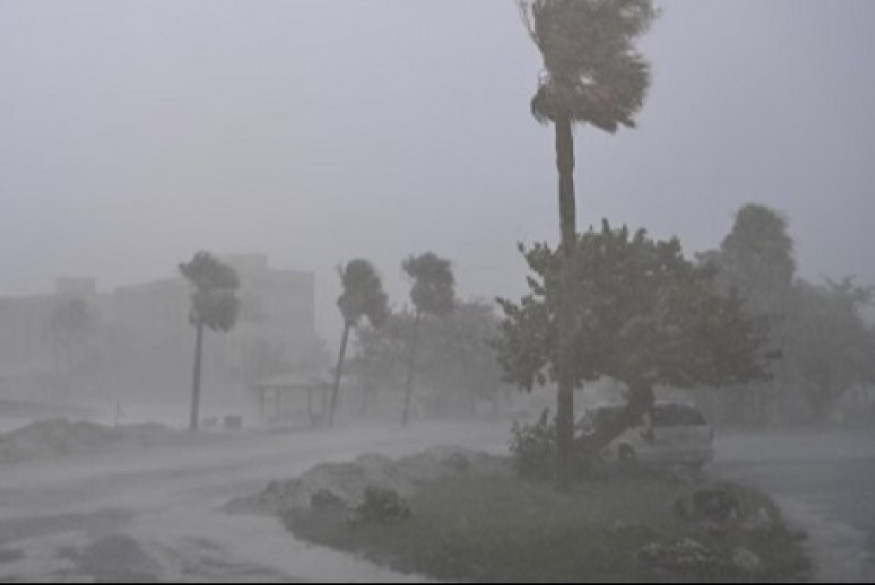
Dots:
pixel 593 73
pixel 819 328
pixel 214 301
pixel 644 315
pixel 830 347
pixel 454 361
pixel 756 256
pixel 433 288
pixel 362 294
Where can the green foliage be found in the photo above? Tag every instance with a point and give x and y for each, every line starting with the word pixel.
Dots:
pixel 643 315
pixel 363 294
pixel 533 447
pixel 830 347
pixel 757 256
pixel 477 529
pixel 433 288
pixel 214 301
pixel 382 506
pixel 454 360
pixel 819 329
pixel 593 73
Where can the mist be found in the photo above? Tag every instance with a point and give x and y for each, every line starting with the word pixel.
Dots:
pixel 291 140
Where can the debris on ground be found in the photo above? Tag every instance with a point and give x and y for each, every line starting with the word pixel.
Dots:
pixel 347 483
pixel 61 437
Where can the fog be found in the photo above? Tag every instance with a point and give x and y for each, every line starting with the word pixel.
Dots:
pixel 289 138
pixel 135 134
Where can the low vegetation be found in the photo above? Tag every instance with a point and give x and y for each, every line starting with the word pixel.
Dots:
pixel 631 526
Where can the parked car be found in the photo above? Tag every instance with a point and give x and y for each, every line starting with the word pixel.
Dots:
pixel 678 434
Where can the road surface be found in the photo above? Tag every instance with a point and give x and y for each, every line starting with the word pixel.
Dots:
pixel 156 515
pixel 824 482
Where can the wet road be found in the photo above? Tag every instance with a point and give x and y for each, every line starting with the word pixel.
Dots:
pixel 142 516
pixel 823 481
pixel 157 515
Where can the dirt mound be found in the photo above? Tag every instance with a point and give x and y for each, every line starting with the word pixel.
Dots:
pixel 61 437
pixel 348 482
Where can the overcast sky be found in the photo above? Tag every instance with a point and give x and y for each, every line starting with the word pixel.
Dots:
pixel 133 134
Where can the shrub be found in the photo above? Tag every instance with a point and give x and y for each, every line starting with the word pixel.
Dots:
pixel 381 505
pixel 533 447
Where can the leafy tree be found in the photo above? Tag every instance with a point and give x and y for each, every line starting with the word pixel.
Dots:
pixel 830 346
pixel 381 356
pixel 432 293
pixel 643 315
pixel 593 75
pixel 362 296
pixel 214 304
pixel 756 257
pixel 454 358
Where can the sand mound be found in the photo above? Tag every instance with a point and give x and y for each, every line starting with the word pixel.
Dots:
pixel 61 437
pixel 348 481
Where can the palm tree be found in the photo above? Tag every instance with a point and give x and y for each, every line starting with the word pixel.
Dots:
pixel 432 293
pixel 214 304
pixel 592 74
pixel 362 296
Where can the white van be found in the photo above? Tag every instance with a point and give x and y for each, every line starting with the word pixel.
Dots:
pixel 678 434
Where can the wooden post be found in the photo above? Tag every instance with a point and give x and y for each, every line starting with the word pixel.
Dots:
pixel 261 404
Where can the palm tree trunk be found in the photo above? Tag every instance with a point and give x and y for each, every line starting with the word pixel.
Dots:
pixel 565 373
pixel 410 366
pixel 196 379
pixel 340 358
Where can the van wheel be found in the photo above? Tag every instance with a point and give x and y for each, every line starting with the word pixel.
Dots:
pixel 627 456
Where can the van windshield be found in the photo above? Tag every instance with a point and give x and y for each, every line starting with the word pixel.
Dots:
pixel 677 415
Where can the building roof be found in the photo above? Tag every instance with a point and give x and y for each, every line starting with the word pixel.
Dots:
pixel 293 382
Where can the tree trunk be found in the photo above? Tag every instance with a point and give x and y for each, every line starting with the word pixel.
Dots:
pixel 340 358
pixel 408 390
pixel 641 402
pixel 196 379
pixel 565 370
pixel 68 347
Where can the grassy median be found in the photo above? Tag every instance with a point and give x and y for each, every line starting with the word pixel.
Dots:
pixel 487 529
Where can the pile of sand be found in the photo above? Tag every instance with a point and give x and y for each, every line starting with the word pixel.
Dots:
pixel 348 481
pixel 61 437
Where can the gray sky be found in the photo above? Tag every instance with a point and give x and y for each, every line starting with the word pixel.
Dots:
pixel 133 134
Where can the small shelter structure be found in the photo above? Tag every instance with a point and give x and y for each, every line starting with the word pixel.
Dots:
pixel 285 390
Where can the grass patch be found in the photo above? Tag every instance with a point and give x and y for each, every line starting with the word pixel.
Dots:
pixel 505 530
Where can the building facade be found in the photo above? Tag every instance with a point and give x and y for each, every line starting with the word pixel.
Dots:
pixel 138 345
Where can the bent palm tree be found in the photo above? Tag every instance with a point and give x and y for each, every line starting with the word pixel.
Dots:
pixel 362 296
pixel 214 304
pixel 432 293
pixel 594 75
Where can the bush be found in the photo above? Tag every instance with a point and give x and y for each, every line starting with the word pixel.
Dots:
pixel 533 447
pixel 381 505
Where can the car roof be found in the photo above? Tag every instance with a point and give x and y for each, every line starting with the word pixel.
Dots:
pixel 661 402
